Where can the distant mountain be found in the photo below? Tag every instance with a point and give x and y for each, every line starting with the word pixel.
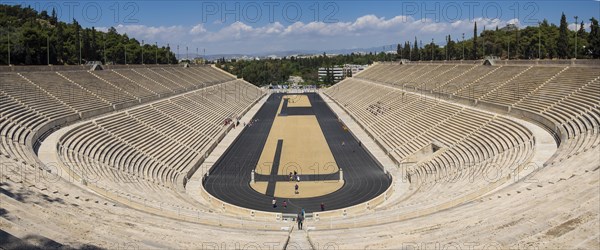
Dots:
pixel 299 52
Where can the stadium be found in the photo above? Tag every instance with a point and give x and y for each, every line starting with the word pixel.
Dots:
pixel 484 153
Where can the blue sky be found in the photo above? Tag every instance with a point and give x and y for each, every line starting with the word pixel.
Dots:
pixel 269 26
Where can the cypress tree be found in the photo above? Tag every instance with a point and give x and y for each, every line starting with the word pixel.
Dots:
pixel 563 38
pixel 594 38
pixel 475 56
pixel 415 52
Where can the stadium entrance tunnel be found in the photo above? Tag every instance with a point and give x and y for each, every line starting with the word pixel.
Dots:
pixel 296 150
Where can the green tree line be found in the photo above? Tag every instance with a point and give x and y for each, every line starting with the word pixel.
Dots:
pixel 40 38
pixel 277 71
pixel 544 41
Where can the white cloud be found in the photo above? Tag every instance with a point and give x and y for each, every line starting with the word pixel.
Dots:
pixel 198 29
pixel 572 26
pixel 364 31
pixel 151 32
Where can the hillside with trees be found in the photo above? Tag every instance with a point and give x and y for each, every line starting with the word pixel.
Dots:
pixel 34 37
pixel 545 41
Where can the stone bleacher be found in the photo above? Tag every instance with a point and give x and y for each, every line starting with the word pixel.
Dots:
pixel 146 128
pixel 453 200
pixel 469 141
pixel 136 156
pixel 563 95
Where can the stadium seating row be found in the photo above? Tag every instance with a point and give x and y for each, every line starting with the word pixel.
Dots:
pixel 450 196
pixel 470 141
pixel 565 95
pixel 37 103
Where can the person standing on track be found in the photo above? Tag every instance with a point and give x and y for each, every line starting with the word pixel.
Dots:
pixel 274 203
pixel 322 206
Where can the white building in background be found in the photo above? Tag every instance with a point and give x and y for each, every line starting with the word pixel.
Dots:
pixel 354 68
pixel 337 73
pixel 340 72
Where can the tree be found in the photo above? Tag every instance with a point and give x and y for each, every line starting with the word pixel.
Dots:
pixel 415 52
pixel 93 46
pixel 53 17
pixel 563 38
pixel 59 46
pixel 474 56
pixel 406 51
pixel 450 48
pixel 594 38
pixel 86 46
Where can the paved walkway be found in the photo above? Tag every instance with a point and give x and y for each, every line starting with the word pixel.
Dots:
pixel 298 240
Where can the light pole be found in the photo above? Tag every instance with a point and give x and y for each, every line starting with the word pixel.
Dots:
pixel 142 52
pixel 177 53
pixel 483 42
pixel 167 51
pixel 421 50
pixel 104 49
pixel 463 42
pixel 48 48
pixel 8 40
pixel 446 47
pixel 539 41
pixel 576 30
pixel 432 49
pixel 125 51
pixel 409 51
pixel 156 53
pixel 79 46
pixel 508 47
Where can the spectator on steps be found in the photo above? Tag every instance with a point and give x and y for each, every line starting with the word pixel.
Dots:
pixel 300 220
pixel 296 188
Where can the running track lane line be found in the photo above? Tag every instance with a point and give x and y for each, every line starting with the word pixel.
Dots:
pixel 274 170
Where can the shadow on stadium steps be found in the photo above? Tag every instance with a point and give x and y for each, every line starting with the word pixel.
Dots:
pixel 9 241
